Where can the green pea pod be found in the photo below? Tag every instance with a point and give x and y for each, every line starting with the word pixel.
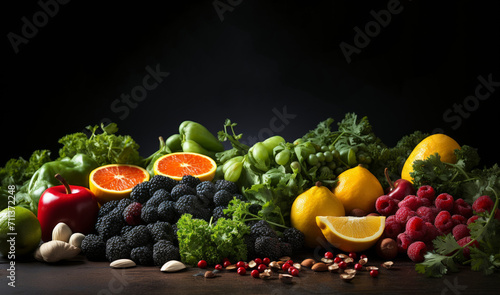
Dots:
pixel 233 172
pixel 174 143
pixel 231 162
pixel 193 147
pixel 260 155
pixel 149 162
pixel 75 170
pixel 272 142
pixel 282 157
pixel 190 130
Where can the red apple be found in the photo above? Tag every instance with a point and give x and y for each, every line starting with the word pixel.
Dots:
pixel 74 205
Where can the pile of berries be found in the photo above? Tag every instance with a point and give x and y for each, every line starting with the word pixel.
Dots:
pixel 418 219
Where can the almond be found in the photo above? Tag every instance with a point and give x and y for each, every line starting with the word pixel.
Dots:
pixel 319 266
pixel 308 262
pixel 173 266
pixel 122 263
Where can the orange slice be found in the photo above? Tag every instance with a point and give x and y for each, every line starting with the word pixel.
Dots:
pixel 351 234
pixel 115 181
pixel 176 165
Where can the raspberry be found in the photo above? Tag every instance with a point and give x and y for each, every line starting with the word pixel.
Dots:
pixel 403 241
pixel 416 251
pixel 431 234
pixel 132 214
pixel 415 228
pixel 458 219
pixel 426 213
pixel 462 207
pixel 410 201
pixel 460 231
pixel 472 219
pixel 426 192
pixel 386 205
pixel 392 227
pixel 464 241
pixel 403 214
pixel 443 222
pixel 444 202
pixel 482 204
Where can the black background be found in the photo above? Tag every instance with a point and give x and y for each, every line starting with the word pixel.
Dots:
pixel 262 55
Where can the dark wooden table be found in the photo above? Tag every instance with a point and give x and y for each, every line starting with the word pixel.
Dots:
pixel 80 276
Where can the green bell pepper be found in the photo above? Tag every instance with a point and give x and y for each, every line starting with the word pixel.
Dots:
pixel 174 143
pixel 75 170
pixel 196 132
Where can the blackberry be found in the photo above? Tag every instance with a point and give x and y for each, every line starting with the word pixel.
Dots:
pixel 117 248
pixel 250 242
pixel 181 190
pixel 206 189
pixel 158 197
pixel 110 225
pixel 164 251
pixel 192 205
pixel 268 247
pixel 218 212
pixel 149 214
pixel 94 247
pixel 126 229
pixel 226 185
pixel 222 198
pixel 161 182
pixel 161 231
pixel 122 204
pixel 262 229
pixel 107 207
pixel 141 192
pixel 295 237
pixel 167 212
pixel 138 236
pixel 190 180
pixel 142 255
pixel 132 213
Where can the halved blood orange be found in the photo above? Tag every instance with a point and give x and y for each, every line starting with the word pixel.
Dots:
pixel 115 181
pixel 176 165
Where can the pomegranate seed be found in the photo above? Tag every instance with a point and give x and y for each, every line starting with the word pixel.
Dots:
pixel 255 273
pixel 241 271
pixel 353 255
pixel 258 261
pixel 358 266
pixel 294 272
pixel 266 261
pixel 374 273
pixel 202 264
pixel 285 266
pixel 290 262
pixel 261 267
pixel 218 267
pixel 363 256
pixel 328 255
pixel 226 263
pixel 337 260
pixel 342 265
pixel 240 264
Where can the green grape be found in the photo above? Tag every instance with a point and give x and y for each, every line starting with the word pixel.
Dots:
pixel 312 159
pixel 361 158
pixel 320 156
pixel 368 160
pixel 332 165
pixel 335 154
pixel 295 166
pixel 328 156
pixel 282 157
pixel 324 148
pixel 324 171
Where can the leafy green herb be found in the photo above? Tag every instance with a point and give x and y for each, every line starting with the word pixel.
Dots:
pixel 105 147
pixel 199 239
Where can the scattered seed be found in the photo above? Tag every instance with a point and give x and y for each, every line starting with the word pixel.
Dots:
pixel 327 260
pixel 297 266
pixel 308 262
pixel 284 258
pixel 334 268
pixel 363 261
pixel 348 260
pixel 342 255
pixel 347 277
pixel 350 271
pixel 252 264
pixel 370 268
pixel 231 267
pixel 209 274
pixel 319 266
pixel 388 264
pixel 286 278
pixel 274 265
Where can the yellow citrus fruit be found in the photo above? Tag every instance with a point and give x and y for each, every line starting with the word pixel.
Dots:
pixel 20 231
pixel 318 200
pixel 351 234
pixel 176 165
pixel 115 181
pixel 442 144
pixel 358 188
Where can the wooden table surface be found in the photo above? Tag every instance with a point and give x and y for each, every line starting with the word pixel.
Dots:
pixel 80 276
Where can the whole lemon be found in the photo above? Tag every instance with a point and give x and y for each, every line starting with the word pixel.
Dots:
pixel 316 201
pixel 442 144
pixel 358 188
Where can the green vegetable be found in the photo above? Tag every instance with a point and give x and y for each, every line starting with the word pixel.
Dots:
pixel 104 148
pixel 150 161
pixel 75 170
pixel 193 147
pixel 174 143
pixel 192 131
pixel 199 239
pixel 18 172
